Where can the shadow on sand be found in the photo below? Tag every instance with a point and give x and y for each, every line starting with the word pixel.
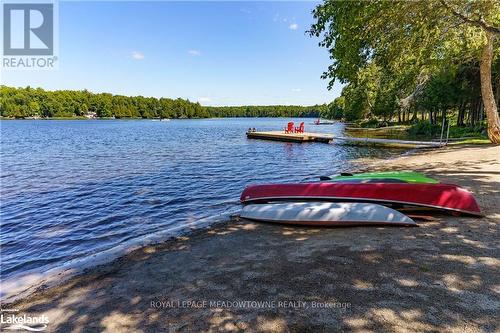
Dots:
pixel 442 276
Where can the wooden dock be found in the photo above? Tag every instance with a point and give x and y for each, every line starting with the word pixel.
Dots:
pixel 329 138
pixel 291 137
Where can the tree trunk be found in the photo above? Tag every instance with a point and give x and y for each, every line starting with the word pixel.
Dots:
pixel 497 84
pixel 490 106
pixel 461 111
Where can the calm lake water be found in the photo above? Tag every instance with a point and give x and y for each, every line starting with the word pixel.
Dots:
pixel 73 189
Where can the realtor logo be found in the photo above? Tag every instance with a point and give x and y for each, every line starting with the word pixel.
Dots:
pixel 28 29
pixel 29 32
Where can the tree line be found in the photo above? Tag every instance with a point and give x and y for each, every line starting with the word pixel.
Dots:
pixel 32 102
pixel 414 61
pixel 37 102
pixel 268 111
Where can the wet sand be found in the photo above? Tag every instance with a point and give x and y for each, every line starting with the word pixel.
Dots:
pixel 441 276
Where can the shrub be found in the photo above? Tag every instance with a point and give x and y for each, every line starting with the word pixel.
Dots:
pixel 424 128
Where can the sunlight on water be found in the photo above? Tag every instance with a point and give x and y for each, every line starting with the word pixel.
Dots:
pixel 71 189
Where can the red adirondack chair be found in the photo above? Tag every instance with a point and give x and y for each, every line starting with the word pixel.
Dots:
pixel 300 129
pixel 289 127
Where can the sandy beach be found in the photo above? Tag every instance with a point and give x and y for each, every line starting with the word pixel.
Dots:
pixel 241 276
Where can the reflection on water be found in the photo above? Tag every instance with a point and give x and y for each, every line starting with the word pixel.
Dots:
pixel 75 188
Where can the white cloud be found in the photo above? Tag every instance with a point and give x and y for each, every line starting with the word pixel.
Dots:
pixel 194 53
pixel 137 55
pixel 296 90
pixel 204 99
pixel 293 26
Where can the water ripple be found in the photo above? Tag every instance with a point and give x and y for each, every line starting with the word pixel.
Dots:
pixel 73 189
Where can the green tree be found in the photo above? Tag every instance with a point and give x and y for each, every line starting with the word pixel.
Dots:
pixel 23 102
pixel 411 40
pixel 336 109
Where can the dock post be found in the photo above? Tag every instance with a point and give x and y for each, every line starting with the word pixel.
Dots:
pixel 442 131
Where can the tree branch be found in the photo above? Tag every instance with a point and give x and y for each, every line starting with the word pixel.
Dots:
pixel 480 23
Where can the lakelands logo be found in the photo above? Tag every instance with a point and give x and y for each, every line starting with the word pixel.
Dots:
pixel 15 322
pixel 29 35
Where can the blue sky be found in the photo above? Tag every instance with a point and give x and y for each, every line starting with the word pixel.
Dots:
pixel 217 53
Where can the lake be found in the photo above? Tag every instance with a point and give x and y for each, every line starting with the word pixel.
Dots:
pixel 73 189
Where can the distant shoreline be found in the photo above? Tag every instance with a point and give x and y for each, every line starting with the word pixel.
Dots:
pixel 85 118
pixel 37 103
pixel 163 119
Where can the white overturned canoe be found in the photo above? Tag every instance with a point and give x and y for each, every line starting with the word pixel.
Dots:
pixel 326 214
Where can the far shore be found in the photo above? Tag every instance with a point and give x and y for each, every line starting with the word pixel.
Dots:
pixel 243 276
pixel 139 118
pixel 96 118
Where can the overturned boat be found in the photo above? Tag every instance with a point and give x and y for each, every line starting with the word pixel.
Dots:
pixel 445 197
pixel 382 177
pixel 326 214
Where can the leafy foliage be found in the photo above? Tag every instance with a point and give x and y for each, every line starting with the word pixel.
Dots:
pixel 267 111
pixel 409 60
pixel 422 128
pixel 29 102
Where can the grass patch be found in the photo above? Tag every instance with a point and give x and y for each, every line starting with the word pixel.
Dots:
pixel 472 141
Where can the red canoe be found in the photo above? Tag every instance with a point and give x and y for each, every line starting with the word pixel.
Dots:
pixel 439 196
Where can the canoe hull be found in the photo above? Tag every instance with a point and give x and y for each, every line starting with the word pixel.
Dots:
pixel 326 214
pixel 438 196
pixel 385 176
